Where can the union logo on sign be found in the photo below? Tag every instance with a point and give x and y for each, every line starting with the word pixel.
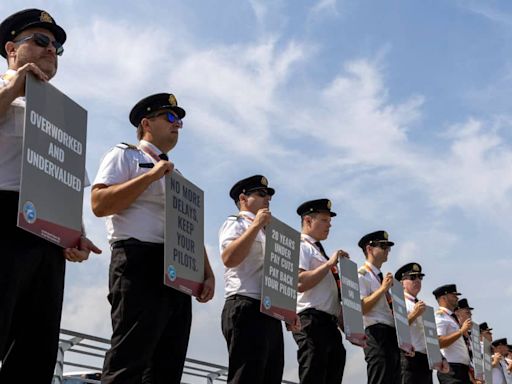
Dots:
pixel 171 271
pixel 29 212
pixel 267 303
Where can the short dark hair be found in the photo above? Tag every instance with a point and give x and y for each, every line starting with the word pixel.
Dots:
pixel 312 215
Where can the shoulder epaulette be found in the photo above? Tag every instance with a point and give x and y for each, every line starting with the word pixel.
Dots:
pixel 234 217
pixel 126 146
pixel 362 270
pixel 439 312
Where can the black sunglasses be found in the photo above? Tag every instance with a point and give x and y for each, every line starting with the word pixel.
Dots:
pixel 413 277
pixel 381 245
pixel 171 117
pixel 43 41
pixel 259 192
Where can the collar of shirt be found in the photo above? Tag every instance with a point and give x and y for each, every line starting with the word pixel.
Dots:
pixel 410 297
pixel 151 146
pixel 247 215
pixel 311 241
pixel 446 310
pixel 373 268
pixel 307 237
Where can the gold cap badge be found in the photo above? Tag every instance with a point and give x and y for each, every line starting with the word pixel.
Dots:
pixel 329 204
pixel 264 181
pixel 385 235
pixel 45 18
pixel 172 100
pixel 416 268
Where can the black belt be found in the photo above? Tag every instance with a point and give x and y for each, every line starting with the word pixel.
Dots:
pixel 380 325
pixel 10 196
pixel 133 242
pixel 242 297
pixel 319 314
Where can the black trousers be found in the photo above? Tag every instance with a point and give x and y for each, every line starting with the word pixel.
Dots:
pixel 150 321
pixel 415 370
pixel 459 374
pixel 255 342
pixel 321 354
pixel 31 292
pixel 382 355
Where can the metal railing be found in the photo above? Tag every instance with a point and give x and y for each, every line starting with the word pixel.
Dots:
pixel 87 352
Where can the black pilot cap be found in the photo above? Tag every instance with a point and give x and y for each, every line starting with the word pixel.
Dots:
pixel 25 19
pixel 250 184
pixel 155 103
pixel 312 206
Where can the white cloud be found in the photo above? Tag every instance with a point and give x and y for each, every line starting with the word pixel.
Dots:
pixel 325 6
pixel 260 10
pixel 86 309
pixel 353 113
pixel 108 62
pixel 487 11
pixel 233 92
pixel 474 174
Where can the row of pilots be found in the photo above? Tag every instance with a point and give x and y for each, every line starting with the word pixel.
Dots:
pixel 148 317
pixel 255 340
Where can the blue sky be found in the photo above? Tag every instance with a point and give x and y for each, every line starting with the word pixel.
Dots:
pixel 397 111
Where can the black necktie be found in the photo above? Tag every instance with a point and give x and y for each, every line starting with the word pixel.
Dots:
pixel 388 295
pixel 455 318
pixel 163 156
pixel 334 272
pixel 321 248
pixel 468 345
pixel 415 300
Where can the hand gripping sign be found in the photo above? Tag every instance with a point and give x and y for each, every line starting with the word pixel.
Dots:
pixel 351 303
pixel 487 361
pixel 403 332
pixel 280 271
pixel 431 339
pixel 184 235
pixel 478 358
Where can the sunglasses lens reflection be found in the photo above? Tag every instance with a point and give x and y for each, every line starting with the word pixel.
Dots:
pixel 44 41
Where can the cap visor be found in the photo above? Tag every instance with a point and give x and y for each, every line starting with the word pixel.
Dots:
pixel 179 111
pixel 270 191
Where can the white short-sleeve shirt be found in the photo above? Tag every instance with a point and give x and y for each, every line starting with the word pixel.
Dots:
pixel 144 218
pixel 369 283
pixel 244 279
pixel 324 295
pixel 11 141
pixel 457 352
pixel 500 373
pixel 416 327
